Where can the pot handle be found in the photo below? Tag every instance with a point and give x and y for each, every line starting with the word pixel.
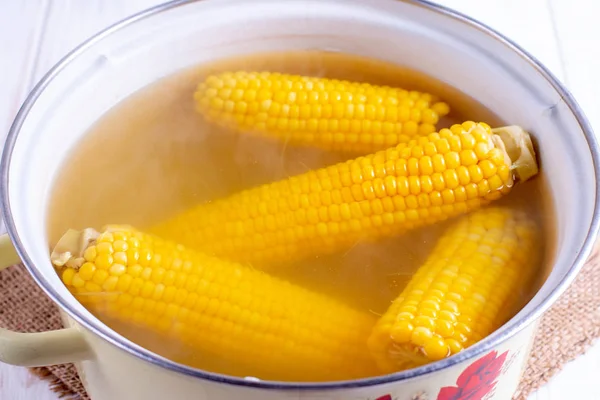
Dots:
pixel 42 348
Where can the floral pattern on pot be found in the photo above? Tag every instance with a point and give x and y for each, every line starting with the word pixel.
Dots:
pixel 478 380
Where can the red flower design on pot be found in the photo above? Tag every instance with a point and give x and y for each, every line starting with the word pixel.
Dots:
pixel 385 397
pixel 477 380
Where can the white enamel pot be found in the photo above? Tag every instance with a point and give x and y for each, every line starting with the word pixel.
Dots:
pixel 158 42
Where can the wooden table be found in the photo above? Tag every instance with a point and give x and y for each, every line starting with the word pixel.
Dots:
pixel 35 34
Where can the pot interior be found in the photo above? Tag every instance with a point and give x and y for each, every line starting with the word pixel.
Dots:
pixel 129 57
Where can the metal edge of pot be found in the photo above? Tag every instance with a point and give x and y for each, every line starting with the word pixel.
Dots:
pixel 508 331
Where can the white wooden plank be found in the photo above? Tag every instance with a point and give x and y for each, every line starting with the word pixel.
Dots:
pixel 20 384
pixel 21 30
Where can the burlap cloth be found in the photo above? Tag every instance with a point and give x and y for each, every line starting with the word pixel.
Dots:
pixel 566 331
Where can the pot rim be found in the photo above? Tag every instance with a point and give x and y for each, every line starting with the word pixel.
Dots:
pixel 509 330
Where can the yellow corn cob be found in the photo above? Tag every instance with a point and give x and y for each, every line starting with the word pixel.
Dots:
pixel 221 308
pixel 426 180
pixel 463 292
pixel 318 112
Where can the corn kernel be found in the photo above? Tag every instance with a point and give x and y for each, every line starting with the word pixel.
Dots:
pixel 436 348
pixel 87 270
pixel 67 276
pixel 90 253
pixel 104 247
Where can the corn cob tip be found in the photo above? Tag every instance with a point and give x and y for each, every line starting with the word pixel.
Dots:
pixel 517 144
pixel 441 108
pixel 69 249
